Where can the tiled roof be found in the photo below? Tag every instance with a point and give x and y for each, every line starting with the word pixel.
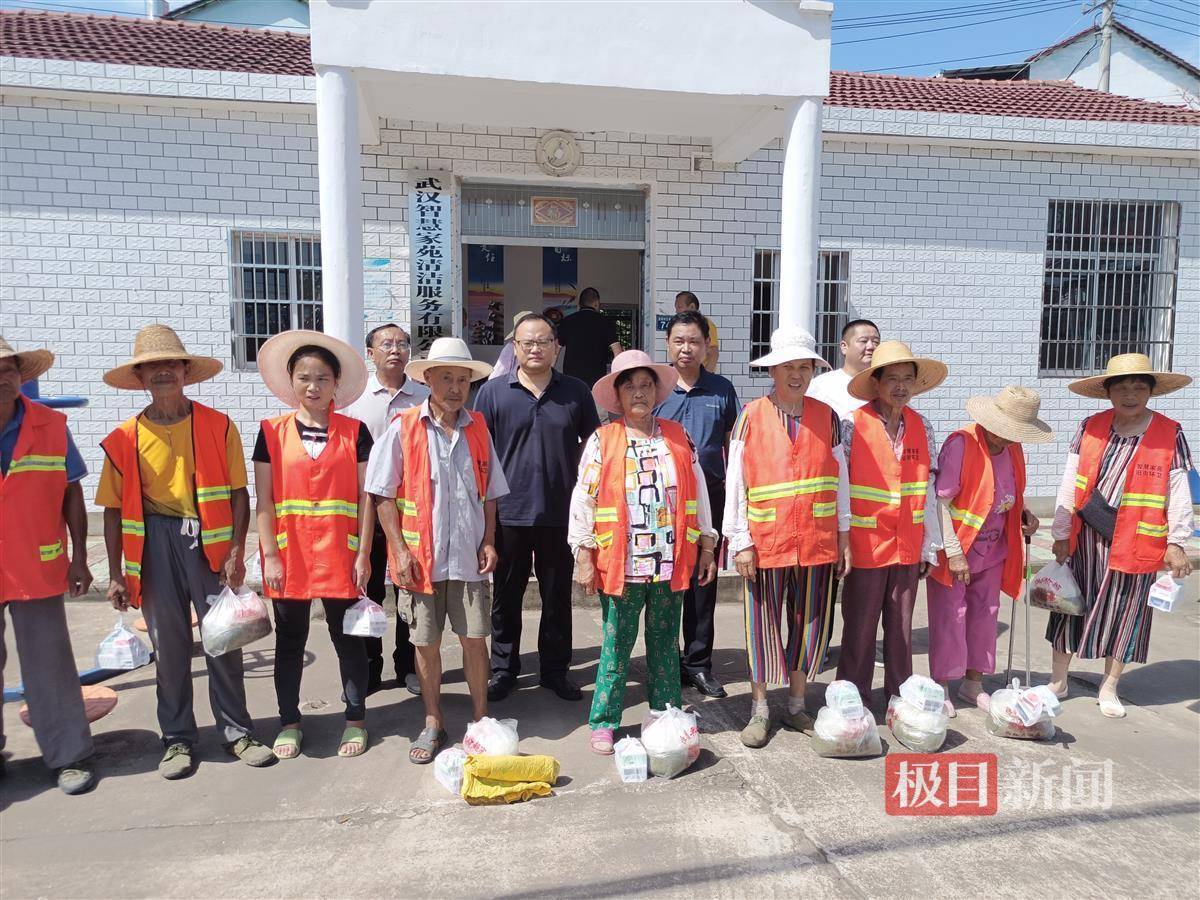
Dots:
pixel 186 45
pixel 1124 29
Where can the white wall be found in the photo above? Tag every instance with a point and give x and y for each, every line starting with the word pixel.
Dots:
pixel 1135 71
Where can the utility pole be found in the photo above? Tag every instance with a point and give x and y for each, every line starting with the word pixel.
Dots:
pixel 1106 22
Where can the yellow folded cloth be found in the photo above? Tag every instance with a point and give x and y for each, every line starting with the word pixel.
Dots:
pixel 507 779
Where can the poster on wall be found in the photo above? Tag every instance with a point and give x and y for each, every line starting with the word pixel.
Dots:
pixel 485 294
pixel 429 211
pixel 560 278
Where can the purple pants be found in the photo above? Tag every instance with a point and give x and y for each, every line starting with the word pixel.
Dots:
pixel 866 595
pixel 962 624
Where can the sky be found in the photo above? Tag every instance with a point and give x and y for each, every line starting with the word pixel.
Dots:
pixel 917 37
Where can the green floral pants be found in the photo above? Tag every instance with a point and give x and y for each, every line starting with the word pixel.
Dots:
pixel 663 609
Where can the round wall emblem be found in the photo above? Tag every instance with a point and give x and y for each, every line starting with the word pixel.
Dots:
pixel 558 153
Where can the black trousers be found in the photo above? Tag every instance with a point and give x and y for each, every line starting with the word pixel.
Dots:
pixel 700 603
pixel 403 654
pixel 545 550
pixel 291 635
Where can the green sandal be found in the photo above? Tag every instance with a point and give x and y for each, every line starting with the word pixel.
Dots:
pixel 356 737
pixel 289 740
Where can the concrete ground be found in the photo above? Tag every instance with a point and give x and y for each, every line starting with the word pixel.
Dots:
pixel 773 822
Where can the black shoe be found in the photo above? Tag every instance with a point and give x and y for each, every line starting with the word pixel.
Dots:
pixel 501 685
pixel 563 686
pixel 705 684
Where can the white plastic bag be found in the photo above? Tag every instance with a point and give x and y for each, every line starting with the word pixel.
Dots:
pixel 121 649
pixel 1165 592
pixel 672 741
pixel 923 693
pixel 1011 707
pixel 843 695
pixel 1054 588
pixel 491 737
pixel 920 730
pixel 631 759
pixel 448 769
pixel 233 620
pixel 846 732
pixel 365 618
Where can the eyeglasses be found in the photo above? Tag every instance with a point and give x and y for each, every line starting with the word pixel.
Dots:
pixel 392 345
pixel 529 345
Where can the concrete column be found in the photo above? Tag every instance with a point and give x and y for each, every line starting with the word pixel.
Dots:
pixel 798 217
pixel 339 172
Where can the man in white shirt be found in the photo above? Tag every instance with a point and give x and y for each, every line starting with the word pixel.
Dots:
pixel 860 337
pixel 388 392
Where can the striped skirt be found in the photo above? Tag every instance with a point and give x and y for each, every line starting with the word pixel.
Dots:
pixel 806 593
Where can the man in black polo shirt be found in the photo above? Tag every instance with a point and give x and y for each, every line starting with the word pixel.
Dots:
pixel 539 420
pixel 590 340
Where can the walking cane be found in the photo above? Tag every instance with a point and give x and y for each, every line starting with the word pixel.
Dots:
pixel 1013 621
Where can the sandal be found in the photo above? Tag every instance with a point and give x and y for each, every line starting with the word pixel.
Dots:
pixel 429 741
pixel 601 741
pixel 1111 707
pixel 355 737
pixel 287 743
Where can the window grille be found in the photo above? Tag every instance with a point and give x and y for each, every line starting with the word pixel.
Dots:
pixel 833 290
pixel 276 280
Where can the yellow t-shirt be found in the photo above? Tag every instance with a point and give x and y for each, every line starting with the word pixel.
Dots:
pixel 713 340
pixel 168 469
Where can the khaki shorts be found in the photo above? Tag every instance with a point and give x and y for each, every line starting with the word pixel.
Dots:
pixel 468 605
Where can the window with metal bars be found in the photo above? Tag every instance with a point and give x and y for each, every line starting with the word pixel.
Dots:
pixel 1109 284
pixel 833 294
pixel 276 280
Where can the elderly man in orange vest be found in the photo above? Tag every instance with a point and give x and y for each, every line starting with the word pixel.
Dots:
pixel 176 508
pixel 41 501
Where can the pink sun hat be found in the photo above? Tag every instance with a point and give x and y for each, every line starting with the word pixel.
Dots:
pixel 605 391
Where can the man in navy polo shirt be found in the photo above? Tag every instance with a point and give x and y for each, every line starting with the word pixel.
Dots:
pixel 539 419
pixel 706 405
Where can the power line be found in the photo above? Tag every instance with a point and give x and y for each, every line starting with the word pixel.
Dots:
pixel 1158 15
pixel 938 62
pixel 886 37
pixel 1128 18
pixel 931 16
pixel 1190 10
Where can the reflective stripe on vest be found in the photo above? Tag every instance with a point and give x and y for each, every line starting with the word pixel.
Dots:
pixel 37 463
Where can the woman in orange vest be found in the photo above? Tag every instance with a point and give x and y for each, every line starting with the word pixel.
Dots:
pixel 640 525
pixel 785 479
pixel 314 525
pixel 1124 513
pixel 895 531
pixel 981 486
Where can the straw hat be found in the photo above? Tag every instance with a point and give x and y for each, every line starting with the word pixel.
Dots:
pixel 1129 364
pixel 273 359
pixel 605 392
pixel 1013 415
pixel 449 352
pixel 523 314
pixel 32 363
pixel 156 343
pixel 788 343
pixel 930 372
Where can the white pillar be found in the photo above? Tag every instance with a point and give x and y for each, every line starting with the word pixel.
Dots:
pixel 798 216
pixel 339 173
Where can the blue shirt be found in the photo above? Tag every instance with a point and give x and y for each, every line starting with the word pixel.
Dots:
pixel 76 470
pixel 539 440
pixel 707 413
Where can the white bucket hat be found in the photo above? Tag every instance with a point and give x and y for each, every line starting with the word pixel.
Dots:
pixel 788 343
pixel 448 352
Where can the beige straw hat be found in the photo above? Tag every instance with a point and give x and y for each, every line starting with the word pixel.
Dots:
pixel 1013 415
pixel 605 392
pixel 31 363
pixel 523 314
pixel 155 343
pixel 1129 364
pixel 451 352
pixel 930 372
pixel 273 359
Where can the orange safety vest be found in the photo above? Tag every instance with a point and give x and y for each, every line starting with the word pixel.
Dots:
pixel 971 506
pixel 211 491
pixel 1140 537
pixel 33 531
pixel 415 499
pixel 316 509
pixel 612 507
pixel 791 486
pixel 887 495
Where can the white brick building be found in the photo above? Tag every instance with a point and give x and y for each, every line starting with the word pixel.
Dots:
pixel 125 190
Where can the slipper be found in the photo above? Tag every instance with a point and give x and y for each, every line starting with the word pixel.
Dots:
pixel 288 740
pixel 429 741
pixel 948 707
pixel 355 737
pixel 983 699
pixel 1111 708
pixel 601 741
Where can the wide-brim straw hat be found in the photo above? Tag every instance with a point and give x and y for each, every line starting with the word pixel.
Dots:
pixel 158 343
pixel 450 352
pixel 1129 364
pixel 273 359
pixel 789 343
pixel 605 391
pixel 31 363
pixel 930 372
pixel 523 314
pixel 1012 414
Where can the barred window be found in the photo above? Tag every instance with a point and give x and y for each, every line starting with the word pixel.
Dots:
pixel 1109 284
pixel 276 282
pixel 833 290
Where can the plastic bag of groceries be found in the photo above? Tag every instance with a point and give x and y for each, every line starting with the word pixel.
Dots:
pixel 121 649
pixel 846 733
pixel 365 618
pixel 491 737
pixel 672 741
pixel 1165 592
pixel 1054 588
pixel 233 620
pixel 923 693
pixel 920 730
pixel 631 759
pixel 1023 713
pixel 448 769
